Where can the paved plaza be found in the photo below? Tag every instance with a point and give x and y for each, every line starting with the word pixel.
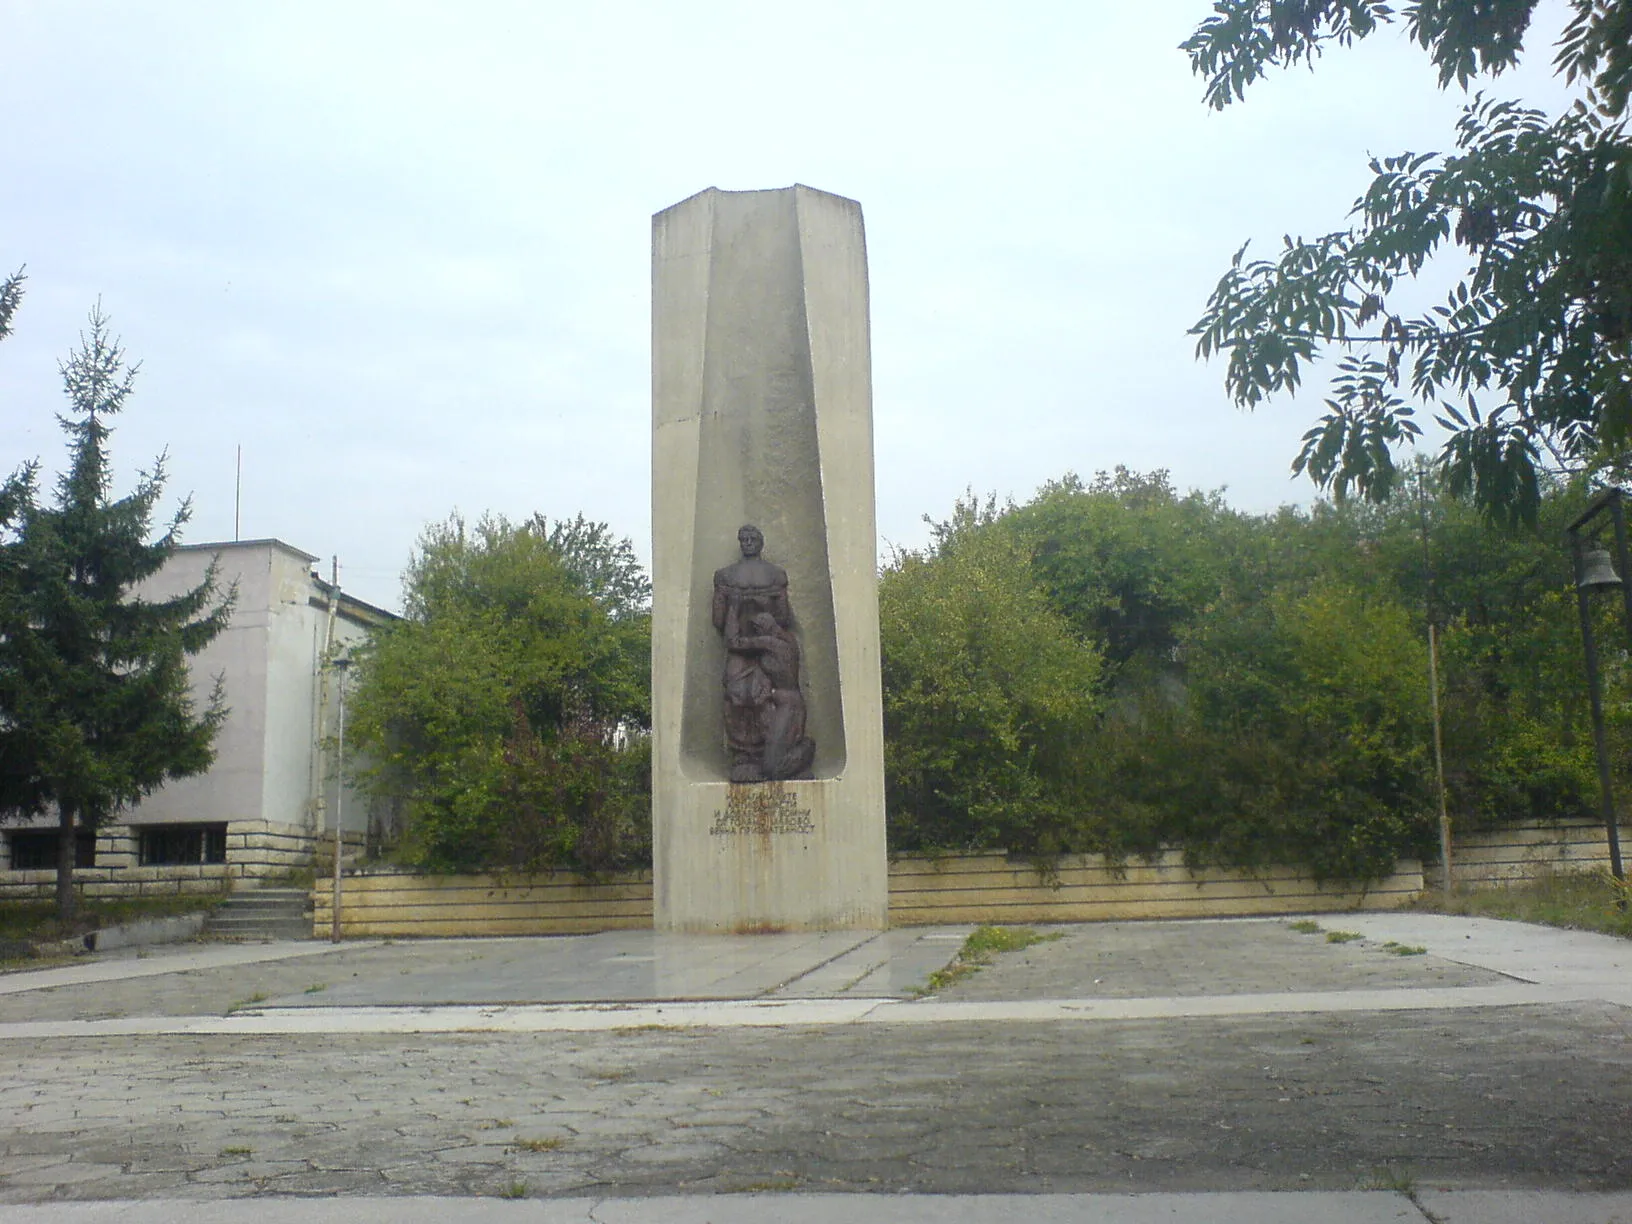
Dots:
pixel 1125 1072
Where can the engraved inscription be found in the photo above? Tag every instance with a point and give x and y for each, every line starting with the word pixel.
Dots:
pixel 760 809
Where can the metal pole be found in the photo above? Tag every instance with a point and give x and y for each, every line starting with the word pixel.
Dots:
pixel 1594 688
pixel 1439 758
pixel 339 799
pixel 1433 690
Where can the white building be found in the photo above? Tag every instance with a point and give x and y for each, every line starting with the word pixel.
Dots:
pixel 259 811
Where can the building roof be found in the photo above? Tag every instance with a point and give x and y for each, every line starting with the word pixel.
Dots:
pixel 350 606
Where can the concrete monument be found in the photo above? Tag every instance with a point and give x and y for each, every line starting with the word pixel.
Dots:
pixel 768 779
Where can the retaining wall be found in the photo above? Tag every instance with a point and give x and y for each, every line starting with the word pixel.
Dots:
pixel 957 889
pixel 257 850
pixel 953 889
pixel 1522 852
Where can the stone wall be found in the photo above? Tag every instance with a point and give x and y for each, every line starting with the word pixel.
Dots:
pixel 257 851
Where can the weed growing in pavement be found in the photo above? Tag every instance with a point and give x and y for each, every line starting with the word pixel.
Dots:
pixel 1400 1181
pixel 260 996
pixel 1306 926
pixel 547 1144
pixel 237 1150
pixel 978 951
pixel 1399 949
pixel 1343 936
pixel 776 1185
pixel 515 1190
pixel 315 987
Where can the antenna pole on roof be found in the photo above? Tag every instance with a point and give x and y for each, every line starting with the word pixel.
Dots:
pixel 238 494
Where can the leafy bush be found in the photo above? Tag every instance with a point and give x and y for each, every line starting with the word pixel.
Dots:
pixel 507 707
pixel 988 698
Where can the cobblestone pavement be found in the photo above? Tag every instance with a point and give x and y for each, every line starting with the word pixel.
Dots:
pixel 1511 1097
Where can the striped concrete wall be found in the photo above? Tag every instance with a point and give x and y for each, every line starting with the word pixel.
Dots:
pixel 402 903
pixel 956 889
pixel 1522 852
pixel 990 888
pixel 964 888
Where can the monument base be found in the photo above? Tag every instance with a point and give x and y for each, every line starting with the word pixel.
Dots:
pixel 764 857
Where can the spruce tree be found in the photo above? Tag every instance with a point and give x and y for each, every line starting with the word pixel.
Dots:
pixel 95 700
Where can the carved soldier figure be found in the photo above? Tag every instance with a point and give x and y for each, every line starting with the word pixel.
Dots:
pixel 764 708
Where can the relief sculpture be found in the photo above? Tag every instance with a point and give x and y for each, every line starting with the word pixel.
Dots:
pixel 764 706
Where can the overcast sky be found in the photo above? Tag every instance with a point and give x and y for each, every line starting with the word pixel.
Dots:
pixel 400 252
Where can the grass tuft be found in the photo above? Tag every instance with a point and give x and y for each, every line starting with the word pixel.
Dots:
pixel 1343 936
pixel 1579 901
pixel 549 1143
pixel 979 950
pixel 1306 926
pixel 1400 1181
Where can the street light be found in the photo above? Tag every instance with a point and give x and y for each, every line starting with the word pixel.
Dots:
pixel 1596 572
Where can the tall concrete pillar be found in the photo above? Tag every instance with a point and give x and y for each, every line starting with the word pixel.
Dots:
pixel 762 414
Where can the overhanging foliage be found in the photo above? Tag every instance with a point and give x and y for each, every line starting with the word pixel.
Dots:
pixel 1528 361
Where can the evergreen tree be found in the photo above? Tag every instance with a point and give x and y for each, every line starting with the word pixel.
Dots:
pixel 95 704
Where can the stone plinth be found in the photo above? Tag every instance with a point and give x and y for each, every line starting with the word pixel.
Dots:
pixel 762 414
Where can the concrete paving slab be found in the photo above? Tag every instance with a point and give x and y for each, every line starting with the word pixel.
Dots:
pixel 613 966
pixel 893 964
pixel 1359 1207
pixel 785 1012
pixel 1525 1207
pixel 139 963
pixel 1516 949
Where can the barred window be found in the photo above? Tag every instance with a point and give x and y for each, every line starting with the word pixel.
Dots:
pixel 36 849
pixel 182 845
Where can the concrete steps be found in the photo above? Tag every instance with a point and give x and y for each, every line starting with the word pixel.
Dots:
pixel 265 913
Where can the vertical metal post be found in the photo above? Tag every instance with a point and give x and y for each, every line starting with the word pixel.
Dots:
pixel 341 665
pixel 1595 690
pixel 1431 609
pixel 1439 759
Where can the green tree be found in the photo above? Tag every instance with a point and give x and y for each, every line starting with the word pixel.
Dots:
pixel 506 706
pixel 95 704
pixel 603 565
pixel 1312 710
pixel 1126 560
pixel 989 697
pixel 1538 328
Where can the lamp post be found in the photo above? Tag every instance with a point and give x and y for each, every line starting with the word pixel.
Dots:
pixel 1595 572
pixel 341 665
